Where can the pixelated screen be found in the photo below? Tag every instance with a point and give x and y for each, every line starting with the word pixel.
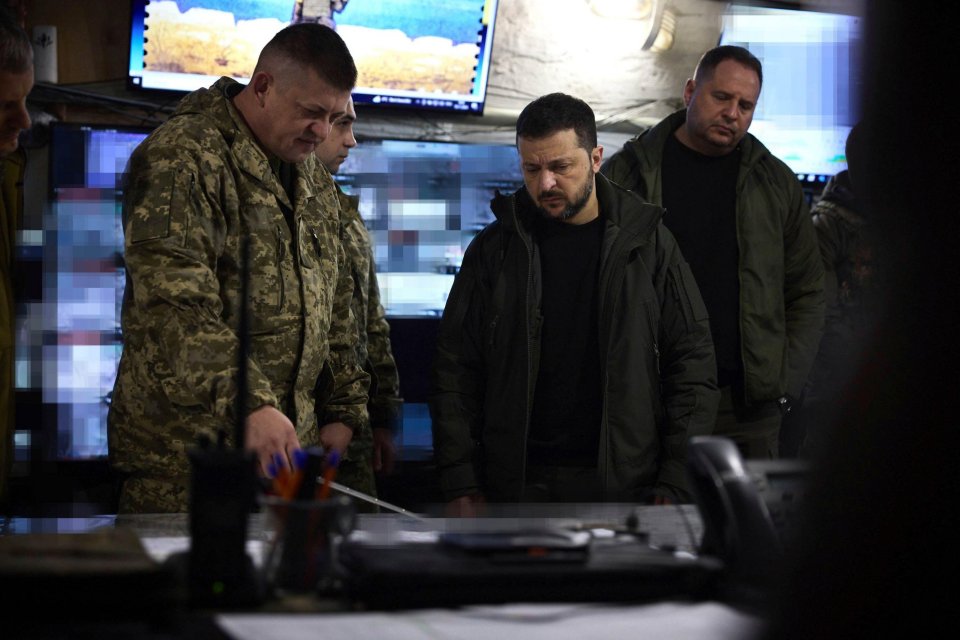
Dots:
pixel 409 53
pixel 812 70
pixel 422 201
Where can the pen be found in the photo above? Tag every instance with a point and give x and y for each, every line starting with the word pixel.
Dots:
pixel 329 473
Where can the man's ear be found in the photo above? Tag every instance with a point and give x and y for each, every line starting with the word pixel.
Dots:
pixel 261 83
pixel 688 90
pixel 596 158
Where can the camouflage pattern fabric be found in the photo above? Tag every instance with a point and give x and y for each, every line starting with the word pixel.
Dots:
pixel 195 187
pixel 373 350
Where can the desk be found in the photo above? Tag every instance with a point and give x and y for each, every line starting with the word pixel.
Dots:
pixel 674 527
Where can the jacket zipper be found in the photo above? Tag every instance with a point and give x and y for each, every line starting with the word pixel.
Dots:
pixel 280 285
pixel 529 292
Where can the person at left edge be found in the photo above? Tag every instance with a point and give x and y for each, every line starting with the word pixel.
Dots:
pixel 574 356
pixel 237 162
pixel 16 81
pixel 371 450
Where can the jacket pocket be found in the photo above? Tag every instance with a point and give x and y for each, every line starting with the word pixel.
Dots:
pixel 162 211
pixel 269 251
pixel 687 296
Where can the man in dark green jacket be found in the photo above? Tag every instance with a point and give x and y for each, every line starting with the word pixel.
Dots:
pixel 574 356
pixel 740 218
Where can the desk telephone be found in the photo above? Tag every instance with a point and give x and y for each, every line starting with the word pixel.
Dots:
pixel 748 508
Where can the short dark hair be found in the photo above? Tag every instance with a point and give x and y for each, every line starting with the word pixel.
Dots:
pixel 16 51
pixel 558 112
pixel 316 47
pixel 855 147
pixel 710 60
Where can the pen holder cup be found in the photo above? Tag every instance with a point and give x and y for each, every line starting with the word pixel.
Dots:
pixel 304 539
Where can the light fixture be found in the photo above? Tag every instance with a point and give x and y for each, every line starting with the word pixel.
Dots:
pixel 662 22
pixel 662 32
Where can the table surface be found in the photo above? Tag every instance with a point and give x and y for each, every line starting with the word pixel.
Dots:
pixel 668 527
pixel 674 526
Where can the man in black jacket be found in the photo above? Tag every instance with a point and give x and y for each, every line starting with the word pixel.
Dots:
pixel 574 356
pixel 739 216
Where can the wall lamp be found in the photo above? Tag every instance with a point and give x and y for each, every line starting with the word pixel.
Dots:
pixel 661 19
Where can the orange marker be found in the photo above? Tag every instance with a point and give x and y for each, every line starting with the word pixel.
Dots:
pixel 329 473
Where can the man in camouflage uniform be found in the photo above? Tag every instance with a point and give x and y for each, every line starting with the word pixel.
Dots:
pixel 236 162
pixel 854 291
pixel 370 450
pixel 318 11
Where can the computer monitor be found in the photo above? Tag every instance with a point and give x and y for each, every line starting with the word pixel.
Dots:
pixel 431 56
pixel 423 202
pixel 812 72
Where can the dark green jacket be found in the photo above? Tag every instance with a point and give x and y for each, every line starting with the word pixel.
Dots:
pixel 658 368
pixel 781 274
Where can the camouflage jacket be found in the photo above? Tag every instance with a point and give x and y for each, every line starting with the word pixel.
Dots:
pixel 373 347
pixel 195 187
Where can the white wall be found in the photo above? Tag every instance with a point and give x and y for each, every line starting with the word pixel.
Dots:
pixel 542 46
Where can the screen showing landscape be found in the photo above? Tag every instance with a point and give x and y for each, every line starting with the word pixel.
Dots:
pixel 424 55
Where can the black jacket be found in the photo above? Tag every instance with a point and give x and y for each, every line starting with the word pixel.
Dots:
pixel 657 360
pixel 781 275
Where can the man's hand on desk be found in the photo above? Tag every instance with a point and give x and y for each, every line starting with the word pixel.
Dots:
pixel 384 450
pixel 469 506
pixel 335 435
pixel 272 437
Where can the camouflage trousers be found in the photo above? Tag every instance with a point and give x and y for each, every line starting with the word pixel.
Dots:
pixel 356 468
pixel 149 495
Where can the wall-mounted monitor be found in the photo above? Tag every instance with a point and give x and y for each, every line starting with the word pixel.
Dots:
pixel 812 70
pixel 422 201
pixel 422 55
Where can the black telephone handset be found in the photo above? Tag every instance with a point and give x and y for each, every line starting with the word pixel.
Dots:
pixel 738 527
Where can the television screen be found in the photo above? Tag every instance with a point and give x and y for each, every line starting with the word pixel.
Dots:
pixel 409 53
pixel 812 69
pixel 68 342
pixel 422 201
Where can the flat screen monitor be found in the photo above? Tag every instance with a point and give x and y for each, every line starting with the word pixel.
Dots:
pixel 409 53
pixel 812 71
pixel 422 201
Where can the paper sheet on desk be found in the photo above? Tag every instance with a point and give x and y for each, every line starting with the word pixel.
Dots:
pixel 162 548
pixel 666 620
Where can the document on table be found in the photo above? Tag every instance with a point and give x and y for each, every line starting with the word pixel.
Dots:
pixel 160 548
pixel 666 620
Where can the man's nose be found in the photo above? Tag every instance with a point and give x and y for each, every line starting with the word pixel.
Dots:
pixel 548 180
pixel 23 116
